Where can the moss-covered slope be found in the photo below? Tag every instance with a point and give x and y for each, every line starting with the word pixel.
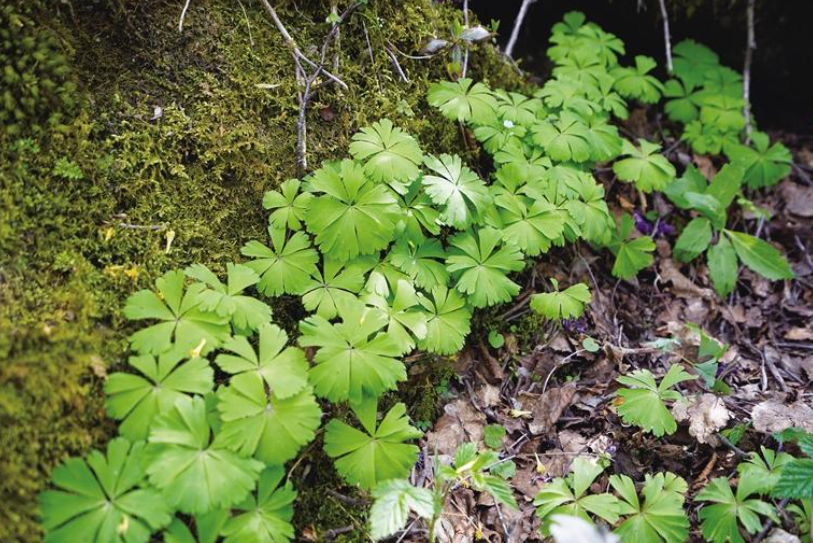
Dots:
pixel 141 149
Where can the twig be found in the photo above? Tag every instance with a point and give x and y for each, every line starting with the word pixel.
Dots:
pixel 746 73
pixel 739 453
pixel 466 24
pixel 130 226
pixel 370 53
pixel 330 535
pixel 183 15
pixel 666 36
pixel 397 66
pixel 769 524
pixel 512 41
pixel 355 502
pixel 248 23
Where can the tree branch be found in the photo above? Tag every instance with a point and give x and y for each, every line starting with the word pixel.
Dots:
pixel 666 36
pixel 512 41
pixel 746 73
pixel 468 46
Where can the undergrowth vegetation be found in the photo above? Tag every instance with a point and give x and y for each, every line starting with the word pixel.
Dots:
pixel 393 249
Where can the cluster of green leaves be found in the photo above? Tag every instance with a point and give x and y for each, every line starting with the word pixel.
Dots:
pixel 395 499
pixel 642 401
pixel 654 513
pixel 707 232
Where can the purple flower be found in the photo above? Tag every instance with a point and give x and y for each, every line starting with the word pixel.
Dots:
pixel 574 325
pixel 644 226
pixel 663 228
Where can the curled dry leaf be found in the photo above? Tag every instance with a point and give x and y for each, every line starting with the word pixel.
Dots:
pixel 548 407
pixel 774 416
pixel 460 422
pixel 706 413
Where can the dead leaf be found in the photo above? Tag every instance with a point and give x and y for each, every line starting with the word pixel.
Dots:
pixel 774 416
pixel 778 535
pixel 798 199
pixel 707 415
pixel 705 165
pixel 548 407
pixel 488 396
pixel 682 286
pixel 460 423
pixel 797 333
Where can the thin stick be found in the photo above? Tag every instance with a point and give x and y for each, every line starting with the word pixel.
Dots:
pixel 397 66
pixel 512 41
pixel 466 23
pixel 746 75
pixel 183 15
pixel 370 53
pixel 666 36
pixel 248 23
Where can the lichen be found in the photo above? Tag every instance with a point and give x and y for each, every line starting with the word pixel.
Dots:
pixel 177 136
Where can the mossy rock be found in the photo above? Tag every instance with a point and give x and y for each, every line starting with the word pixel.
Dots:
pixel 176 137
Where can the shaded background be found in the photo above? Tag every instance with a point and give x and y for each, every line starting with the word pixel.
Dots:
pixel 782 69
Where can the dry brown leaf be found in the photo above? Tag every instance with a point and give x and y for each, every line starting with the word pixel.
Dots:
pixel 797 333
pixel 706 413
pixel 548 407
pixel 682 286
pixel 774 416
pixel 798 199
pixel 778 535
pixel 460 423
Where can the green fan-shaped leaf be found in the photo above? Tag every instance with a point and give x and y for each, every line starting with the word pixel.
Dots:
pixel 459 190
pixel 567 139
pixel 463 100
pixel 642 403
pixel 181 318
pixel 263 425
pixel 389 154
pixel 245 312
pixel 693 240
pixel 266 517
pixel 137 400
pixel 723 112
pixel 195 476
pixel 100 499
pixel 565 304
pixel 660 518
pixel 692 60
pixel 353 215
pixel 207 528
pixel 725 511
pixel 337 282
pixel 636 82
pixel 288 205
pixel 480 263
pixel 684 103
pixel 646 167
pixel 531 225
pixel 284 369
pixel 448 321
pixel 518 108
pixel 377 453
pixel 418 216
pixel 354 357
pixel 407 321
pixel 286 266
pixel 423 262
pixel 764 166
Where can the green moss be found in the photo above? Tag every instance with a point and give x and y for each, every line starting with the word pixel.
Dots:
pixel 175 141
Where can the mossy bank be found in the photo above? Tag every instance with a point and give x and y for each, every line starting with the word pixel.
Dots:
pixel 129 148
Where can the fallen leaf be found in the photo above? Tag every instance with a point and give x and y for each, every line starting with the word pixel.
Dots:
pixel 459 423
pixel 797 333
pixel 682 286
pixel 798 199
pixel 548 407
pixel 778 535
pixel 706 413
pixel 774 416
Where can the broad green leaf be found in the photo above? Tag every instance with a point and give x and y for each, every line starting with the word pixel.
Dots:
pixel 263 425
pixel 284 369
pixel 266 517
pixel 567 139
pixel 395 499
pixel 100 499
pixel 207 528
pixel 721 520
pixel 723 112
pixel 692 60
pixel 760 257
pixel 480 263
pixel 288 205
pixel 407 321
pixel 423 262
pixel 181 319
pixel 448 321
pixel 379 452
pixel 683 104
pixel 764 166
pixel 531 225
pixel 195 476
pixel 461 193
pixel 642 403
pixel 726 185
pixel 352 215
pixel 355 357
pixel 694 239
pixel 567 496
pixel 338 282
pixel 631 256
pixel 660 518
pixel 286 266
pixel 518 108
pixel 419 218
pixel 245 312
pixel 389 154
pixel 137 400
pixel 636 82
pixel 722 262
pixel 463 100
pixel 691 181
pixel 646 167
pixel 565 304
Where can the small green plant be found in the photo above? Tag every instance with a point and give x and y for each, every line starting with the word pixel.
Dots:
pixel 631 254
pixel 727 511
pixel 645 166
pixel 643 404
pixel 796 479
pixel 660 516
pixel 562 304
pixel 711 201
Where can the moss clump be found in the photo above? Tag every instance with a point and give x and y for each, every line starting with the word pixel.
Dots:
pixel 176 143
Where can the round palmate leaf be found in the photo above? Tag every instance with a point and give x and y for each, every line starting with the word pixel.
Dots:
pixel 266 518
pixel 264 426
pixel 288 204
pixel 354 357
pixel 285 370
pixel 100 501
pixel 649 169
pixel 182 319
pixel 138 400
pixel 463 100
pixel 448 321
pixel 378 453
pixel 353 215
pixel 389 153
pixel 286 266
pixel 195 476
pixel 463 195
